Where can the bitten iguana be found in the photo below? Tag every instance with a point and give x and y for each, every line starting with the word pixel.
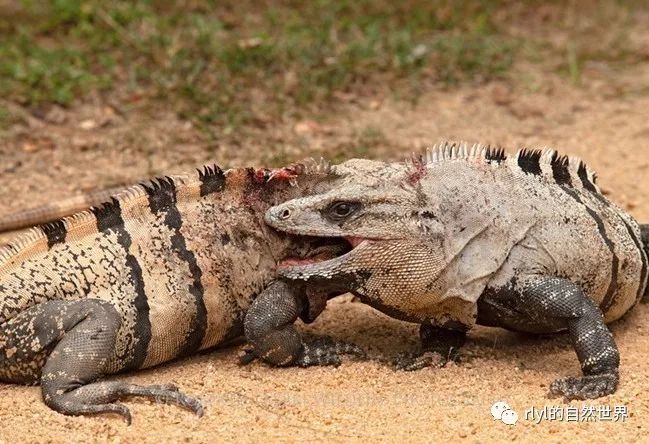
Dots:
pixel 468 235
pixel 55 210
pixel 164 269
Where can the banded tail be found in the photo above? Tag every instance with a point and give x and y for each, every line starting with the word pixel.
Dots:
pixel 55 210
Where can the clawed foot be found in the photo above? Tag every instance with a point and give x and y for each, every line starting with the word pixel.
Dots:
pixel 247 355
pixel 320 351
pixel 327 351
pixel 434 358
pixel 102 397
pixel 167 393
pixel 413 361
pixel 586 387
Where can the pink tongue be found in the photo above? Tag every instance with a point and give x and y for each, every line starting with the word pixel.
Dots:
pixel 354 241
pixel 296 262
pixel 292 262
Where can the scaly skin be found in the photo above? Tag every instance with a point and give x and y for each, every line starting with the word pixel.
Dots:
pixel 163 270
pixel 55 210
pixel 471 235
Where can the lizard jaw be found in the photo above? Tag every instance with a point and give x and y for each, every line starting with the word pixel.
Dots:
pixel 293 268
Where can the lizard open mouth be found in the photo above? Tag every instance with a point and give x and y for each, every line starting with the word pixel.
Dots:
pixel 321 250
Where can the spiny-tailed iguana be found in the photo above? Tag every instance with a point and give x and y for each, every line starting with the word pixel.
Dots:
pixel 470 235
pixel 162 270
pixel 55 210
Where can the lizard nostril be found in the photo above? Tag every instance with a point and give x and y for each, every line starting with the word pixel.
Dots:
pixel 285 214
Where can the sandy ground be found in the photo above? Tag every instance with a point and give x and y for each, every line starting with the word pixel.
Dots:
pixel 66 151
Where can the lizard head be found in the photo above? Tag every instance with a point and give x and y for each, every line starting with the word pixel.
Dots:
pixel 370 200
pixel 373 205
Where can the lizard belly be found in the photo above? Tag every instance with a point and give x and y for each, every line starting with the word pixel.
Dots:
pixel 438 313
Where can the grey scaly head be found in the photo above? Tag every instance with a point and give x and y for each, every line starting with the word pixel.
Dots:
pixel 403 235
pixel 469 234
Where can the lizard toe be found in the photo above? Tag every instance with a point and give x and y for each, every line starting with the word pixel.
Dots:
pixel 586 387
pixel 121 410
pixel 97 409
pixel 165 387
pixel 168 394
pixel 412 361
pixel 247 355
pixel 327 351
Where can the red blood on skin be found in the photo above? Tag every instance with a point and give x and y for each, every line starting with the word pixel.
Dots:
pixel 418 172
pixel 263 175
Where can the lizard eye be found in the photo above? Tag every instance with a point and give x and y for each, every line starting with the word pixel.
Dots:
pixel 341 210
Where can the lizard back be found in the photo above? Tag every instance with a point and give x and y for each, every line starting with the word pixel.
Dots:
pixel 545 211
pixel 473 218
pixel 179 257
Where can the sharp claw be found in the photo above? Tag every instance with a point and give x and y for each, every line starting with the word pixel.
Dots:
pixel 246 356
pixel 193 404
pixel 412 362
pixel 124 412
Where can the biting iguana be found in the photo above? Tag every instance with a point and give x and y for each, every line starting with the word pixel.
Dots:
pixel 467 235
pixel 164 269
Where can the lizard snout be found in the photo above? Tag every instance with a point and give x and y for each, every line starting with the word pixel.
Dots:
pixel 279 214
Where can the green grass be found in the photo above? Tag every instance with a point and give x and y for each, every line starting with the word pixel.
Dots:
pixel 224 64
pixel 228 62
pixel 602 38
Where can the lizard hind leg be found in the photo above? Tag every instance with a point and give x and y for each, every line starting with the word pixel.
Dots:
pixel 269 327
pixel 80 337
pixel 556 303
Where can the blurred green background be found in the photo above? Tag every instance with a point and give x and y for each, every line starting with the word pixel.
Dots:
pixel 223 64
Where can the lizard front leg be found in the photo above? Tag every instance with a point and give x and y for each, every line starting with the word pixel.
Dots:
pixel 270 330
pixel 70 343
pixel 439 345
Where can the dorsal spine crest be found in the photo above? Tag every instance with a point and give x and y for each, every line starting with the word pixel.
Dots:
pixel 564 170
